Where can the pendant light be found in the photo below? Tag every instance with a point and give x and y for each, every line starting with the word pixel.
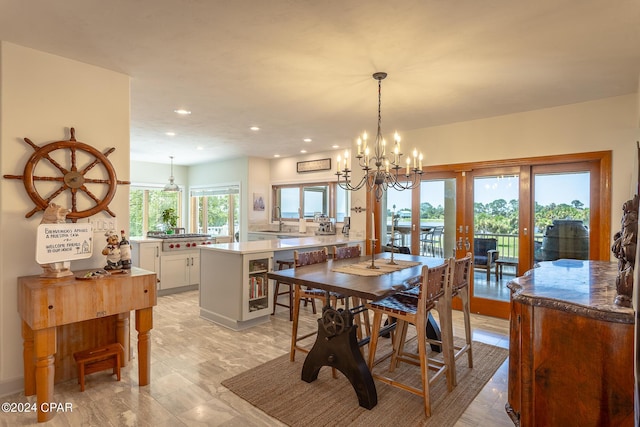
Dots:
pixel 171 186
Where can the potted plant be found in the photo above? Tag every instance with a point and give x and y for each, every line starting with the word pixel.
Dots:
pixel 169 219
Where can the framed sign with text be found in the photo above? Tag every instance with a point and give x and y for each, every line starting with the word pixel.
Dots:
pixel 314 165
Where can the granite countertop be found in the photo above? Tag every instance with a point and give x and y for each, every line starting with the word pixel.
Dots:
pixel 582 287
pixel 276 245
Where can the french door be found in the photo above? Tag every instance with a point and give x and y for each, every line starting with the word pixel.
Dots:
pixel 492 226
pixel 523 210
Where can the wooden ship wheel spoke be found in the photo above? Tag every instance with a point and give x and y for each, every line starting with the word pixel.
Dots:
pixel 71 178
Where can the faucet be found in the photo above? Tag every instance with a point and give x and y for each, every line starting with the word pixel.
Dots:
pixel 279 216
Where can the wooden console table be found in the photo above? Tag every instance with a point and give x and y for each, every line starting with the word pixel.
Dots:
pixel 48 306
pixel 571 350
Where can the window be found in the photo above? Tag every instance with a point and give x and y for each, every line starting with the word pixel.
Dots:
pixel 215 210
pixel 328 199
pixel 146 206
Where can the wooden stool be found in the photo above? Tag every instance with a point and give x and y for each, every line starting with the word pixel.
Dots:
pixel 283 264
pixel 98 359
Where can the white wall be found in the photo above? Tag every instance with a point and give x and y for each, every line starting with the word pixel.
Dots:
pixel 41 96
pixel 259 181
pixel 606 124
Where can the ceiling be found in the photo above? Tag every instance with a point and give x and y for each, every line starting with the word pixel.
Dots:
pixel 302 69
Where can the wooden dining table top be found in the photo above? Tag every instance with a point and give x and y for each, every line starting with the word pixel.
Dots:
pixel 322 276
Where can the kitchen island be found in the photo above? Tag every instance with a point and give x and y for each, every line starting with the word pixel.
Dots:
pixel 234 289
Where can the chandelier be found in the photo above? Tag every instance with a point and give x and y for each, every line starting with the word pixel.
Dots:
pixel 382 168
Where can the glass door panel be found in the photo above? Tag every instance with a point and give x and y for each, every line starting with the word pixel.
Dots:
pixel 438 217
pixel 397 204
pixel 495 241
pixel 561 221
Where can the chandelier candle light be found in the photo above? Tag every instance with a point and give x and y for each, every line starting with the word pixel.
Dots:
pixel 382 169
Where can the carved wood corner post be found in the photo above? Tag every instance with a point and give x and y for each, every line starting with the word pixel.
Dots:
pixel 624 249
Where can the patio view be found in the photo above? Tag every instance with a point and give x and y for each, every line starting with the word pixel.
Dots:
pixel 560 230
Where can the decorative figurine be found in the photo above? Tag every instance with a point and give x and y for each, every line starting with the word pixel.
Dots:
pixel 55 214
pixel 112 251
pixel 624 248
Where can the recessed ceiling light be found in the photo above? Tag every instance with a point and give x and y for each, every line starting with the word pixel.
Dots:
pixel 254 128
pixel 183 112
pixel 170 133
pixel 199 147
pixel 335 146
pixel 276 155
pixel 303 151
pixel 307 140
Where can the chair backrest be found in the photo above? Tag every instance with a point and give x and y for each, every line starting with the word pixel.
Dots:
pixel 344 252
pixel 459 272
pixel 433 286
pixel 481 245
pixel 437 231
pixel 310 257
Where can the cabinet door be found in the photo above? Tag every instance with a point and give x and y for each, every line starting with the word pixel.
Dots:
pixel 150 257
pixel 194 269
pixel 174 271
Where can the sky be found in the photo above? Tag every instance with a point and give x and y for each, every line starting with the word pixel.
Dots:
pixel 549 188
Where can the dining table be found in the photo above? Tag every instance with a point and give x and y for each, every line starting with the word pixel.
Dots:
pixel 337 344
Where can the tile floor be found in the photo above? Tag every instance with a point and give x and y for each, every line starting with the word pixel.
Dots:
pixel 190 358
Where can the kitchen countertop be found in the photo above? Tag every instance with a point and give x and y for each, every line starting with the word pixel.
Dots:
pixel 276 245
pixel 280 233
pixel 144 239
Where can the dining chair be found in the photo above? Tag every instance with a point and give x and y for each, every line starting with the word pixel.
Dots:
pixel 460 270
pixel 361 316
pixel 283 264
pixel 344 252
pixel 300 260
pixel 409 309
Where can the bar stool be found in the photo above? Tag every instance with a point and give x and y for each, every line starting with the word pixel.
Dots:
pixel 283 264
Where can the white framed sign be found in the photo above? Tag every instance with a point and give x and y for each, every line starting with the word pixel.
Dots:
pixel 63 242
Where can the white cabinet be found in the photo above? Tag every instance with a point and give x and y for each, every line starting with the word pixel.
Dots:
pixel 235 291
pixel 146 255
pixel 179 269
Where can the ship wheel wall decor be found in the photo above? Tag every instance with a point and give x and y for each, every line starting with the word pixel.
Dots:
pixel 71 168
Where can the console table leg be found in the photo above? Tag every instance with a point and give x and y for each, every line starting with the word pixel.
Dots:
pixel 45 348
pixel 122 336
pixel 28 358
pixel 144 323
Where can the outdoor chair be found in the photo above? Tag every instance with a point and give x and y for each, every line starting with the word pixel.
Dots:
pixel 485 254
pixel 432 241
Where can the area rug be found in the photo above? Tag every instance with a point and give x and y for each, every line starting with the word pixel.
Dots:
pixel 275 387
